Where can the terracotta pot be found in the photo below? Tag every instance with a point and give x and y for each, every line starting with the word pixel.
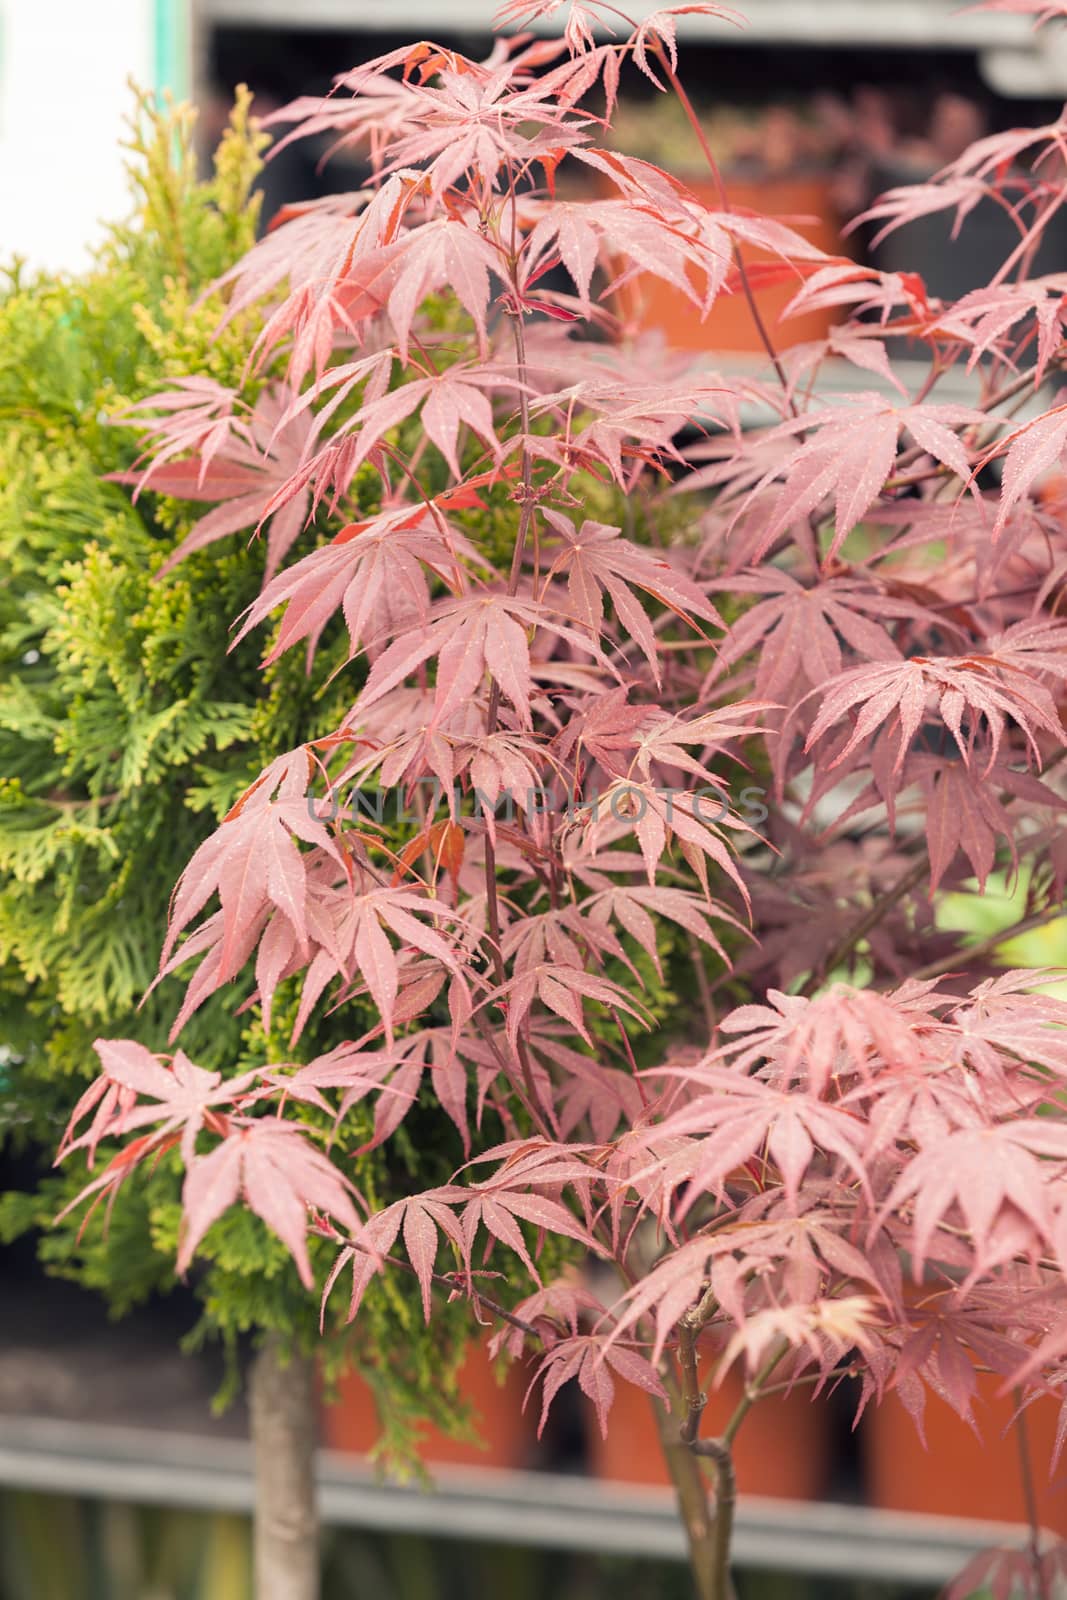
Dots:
pixel 509 1438
pixel 958 1475
pixel 805 204
pixel 781 1451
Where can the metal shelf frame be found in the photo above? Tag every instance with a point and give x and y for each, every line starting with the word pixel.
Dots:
pixel 1016 59
pixel 528 1509
pixel 936 23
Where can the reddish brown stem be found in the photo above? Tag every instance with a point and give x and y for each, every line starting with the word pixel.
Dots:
pixel 742 271
pixel 492 893
pixel 1026 1473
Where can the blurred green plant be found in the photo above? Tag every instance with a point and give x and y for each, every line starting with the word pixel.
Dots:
pixel 1003 906
pixel 55 1545
pixel 126 730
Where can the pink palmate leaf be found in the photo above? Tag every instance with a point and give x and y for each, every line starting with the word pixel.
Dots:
pixel 1030 452
pixel 611 231
pixel 585 1357
pixel 562 989
pixel 911 201
pixel 986 315
pixel 736 1119
pixel 757 1253
pixel 374 572
pixel 253 862
pixel 657 34
pixel 826 1329
pixel 598 561
pixel 799 631
pixel 1043 10
pixel 491 1210
pixel 198 414
pixel 849 452
pixel 817 1042
pixel 634 907
pixel 967 810
pixel 470 122
pixel 243 470
pixel 976 697
pixel 182 1095
pixel 472 637
pixel 660 818
pixel 982 1172
pixel 279 1174
pixel 862 349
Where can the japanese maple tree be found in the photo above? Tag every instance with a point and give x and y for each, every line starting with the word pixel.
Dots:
pixel 688 685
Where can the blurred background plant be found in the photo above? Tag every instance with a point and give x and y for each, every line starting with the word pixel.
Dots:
pixel 774 140
pixel 81 1550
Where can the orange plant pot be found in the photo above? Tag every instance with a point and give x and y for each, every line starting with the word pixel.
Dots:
pixel 781 1451
pixel 508 1436
pixel 958 1476
pixel 806 205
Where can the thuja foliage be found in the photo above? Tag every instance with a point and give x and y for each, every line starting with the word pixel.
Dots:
pixel 848 1157
pixel 126 733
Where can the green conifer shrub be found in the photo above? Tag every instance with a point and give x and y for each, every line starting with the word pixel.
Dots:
pixel 126 732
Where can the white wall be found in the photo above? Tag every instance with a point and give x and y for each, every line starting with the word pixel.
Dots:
pixel 63 95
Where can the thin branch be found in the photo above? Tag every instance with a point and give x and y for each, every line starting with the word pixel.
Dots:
pixel 719 1453
pixel 693 1395
pixel 713 166
pixel 492 893
pixel 885 902
pixel 451 1282
pixel 529 1106
pixel 880 907
pixel 974 952
pixel 789 1384
pixel 703 986
pixel 1026 1473
pixel 753 1391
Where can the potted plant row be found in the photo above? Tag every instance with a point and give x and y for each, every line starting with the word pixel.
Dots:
pixel 776 161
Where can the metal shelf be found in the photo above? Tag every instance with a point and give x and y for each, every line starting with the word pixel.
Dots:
pixel 839 380
pixel 888 22
pixel 514 1508
pixel 1015 59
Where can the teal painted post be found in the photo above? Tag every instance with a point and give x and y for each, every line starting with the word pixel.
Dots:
pixel 170 47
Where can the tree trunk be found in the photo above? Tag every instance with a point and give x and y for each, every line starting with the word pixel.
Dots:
pixel 691 1488
pixel 282 1401
pixel 710 1580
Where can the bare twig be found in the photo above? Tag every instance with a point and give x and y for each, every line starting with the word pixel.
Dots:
pixel 972 952
pixel 879 908
pixel 742 271
pixel 1026 1473
pixel 452 1282
pixel 693 1395
pixel 719 1453
pixel 703 987
pixel 909 880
